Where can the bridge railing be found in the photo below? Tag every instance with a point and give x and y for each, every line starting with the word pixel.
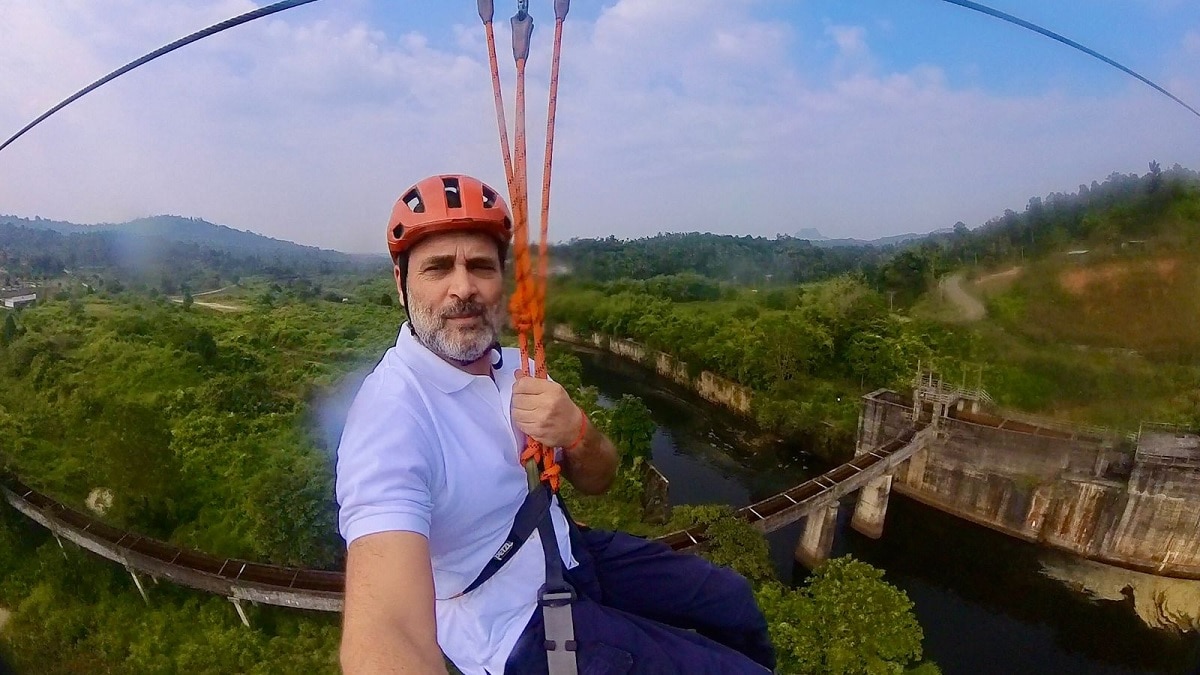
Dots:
pixel 290 586
pixel 123 543
pixel 767 510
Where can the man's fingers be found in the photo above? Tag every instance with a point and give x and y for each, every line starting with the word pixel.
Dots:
pixel 525 401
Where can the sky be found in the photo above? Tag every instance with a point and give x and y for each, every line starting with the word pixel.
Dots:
pixel 760 117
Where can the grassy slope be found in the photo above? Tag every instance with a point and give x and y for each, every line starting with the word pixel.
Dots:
pixel 1110 338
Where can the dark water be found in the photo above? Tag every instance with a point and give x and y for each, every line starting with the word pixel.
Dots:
pixel 980 596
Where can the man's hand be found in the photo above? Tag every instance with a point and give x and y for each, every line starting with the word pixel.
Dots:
pixel 545 412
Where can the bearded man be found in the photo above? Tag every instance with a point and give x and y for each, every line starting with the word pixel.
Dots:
pixel 429 485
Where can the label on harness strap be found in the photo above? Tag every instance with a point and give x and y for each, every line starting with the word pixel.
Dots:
pixel 503 550
pixel 535 507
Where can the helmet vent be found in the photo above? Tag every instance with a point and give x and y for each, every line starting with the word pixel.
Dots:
pixel 489 197
pixel 413 199
pixel 453 195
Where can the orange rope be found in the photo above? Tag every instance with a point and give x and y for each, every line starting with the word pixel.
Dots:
pixel 498 95
pixel 528 303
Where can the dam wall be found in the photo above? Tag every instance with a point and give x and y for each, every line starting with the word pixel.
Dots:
pixel 708 385
pixel 1109 498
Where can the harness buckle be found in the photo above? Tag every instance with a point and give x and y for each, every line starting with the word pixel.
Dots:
pixel 556 595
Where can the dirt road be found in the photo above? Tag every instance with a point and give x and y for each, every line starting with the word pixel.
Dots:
pixel 952 290
pixel 211 305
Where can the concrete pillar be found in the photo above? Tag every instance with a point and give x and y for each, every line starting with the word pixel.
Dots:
pixel 138 582
pixel 912 472
pixel 870 421
pixel 871 508
pixel 237 604
pixel 816 542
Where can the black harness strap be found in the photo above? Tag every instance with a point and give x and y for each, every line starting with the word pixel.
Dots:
pixel 556 595
pixel 533 511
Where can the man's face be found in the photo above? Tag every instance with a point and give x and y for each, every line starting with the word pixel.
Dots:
pixel 455 288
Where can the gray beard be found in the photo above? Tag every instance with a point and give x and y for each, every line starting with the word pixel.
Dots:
pixel 458 345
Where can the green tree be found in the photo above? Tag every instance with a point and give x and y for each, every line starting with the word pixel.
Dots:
pixel 10 330
pixel 292 515
pixel 131 452
pixel 845 620
pixel 731 542
pixel 631 429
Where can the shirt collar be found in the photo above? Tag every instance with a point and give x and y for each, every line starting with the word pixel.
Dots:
pixel 429 366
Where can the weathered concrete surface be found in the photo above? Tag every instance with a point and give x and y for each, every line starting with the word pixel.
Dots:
pixel 709 386
pixel 817 541
pixel 1082 493
pixel 870 510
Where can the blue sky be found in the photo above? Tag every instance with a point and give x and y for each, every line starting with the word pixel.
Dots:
pixel 861 119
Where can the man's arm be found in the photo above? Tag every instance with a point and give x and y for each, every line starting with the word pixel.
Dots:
pixel 543 410
pixel 591 465
pixel 389 625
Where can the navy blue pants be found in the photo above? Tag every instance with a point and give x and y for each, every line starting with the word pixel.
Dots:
pixel 644 608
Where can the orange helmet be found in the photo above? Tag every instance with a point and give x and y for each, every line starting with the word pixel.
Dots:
pixel 447 203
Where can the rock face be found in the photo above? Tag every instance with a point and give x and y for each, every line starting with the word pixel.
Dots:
pixel 1092 494
pixel 5 615
pixel 709 386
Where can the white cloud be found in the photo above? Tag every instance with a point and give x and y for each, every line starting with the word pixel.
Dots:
pixel 850 40
pixel 673 115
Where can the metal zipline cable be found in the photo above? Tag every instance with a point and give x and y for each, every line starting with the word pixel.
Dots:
pixel 211 30
pixel 1066 41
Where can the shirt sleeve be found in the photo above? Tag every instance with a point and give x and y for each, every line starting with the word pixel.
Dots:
pixel 384 468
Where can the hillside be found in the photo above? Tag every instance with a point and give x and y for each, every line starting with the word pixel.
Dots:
pixel 738 259
pixel 1145 302
pixel 1114 266
pixel 181 229
pixel 1109 336
pixel 165 252
pixel 1123 214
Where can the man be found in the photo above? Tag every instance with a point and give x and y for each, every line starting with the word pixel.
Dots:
pixel 429 482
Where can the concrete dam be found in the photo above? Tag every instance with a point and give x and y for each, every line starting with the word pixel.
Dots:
pixel 1133 501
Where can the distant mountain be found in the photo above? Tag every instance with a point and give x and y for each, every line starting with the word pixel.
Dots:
pixel 164 252
pixel 814 235
pixel 741 259
pixel 188 231
pixel 894 240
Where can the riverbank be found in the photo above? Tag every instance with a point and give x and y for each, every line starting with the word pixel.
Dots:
pixel 985 600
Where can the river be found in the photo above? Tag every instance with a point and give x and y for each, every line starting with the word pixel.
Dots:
pixel 987 602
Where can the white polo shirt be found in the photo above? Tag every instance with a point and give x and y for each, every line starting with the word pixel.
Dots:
pixel 428 448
